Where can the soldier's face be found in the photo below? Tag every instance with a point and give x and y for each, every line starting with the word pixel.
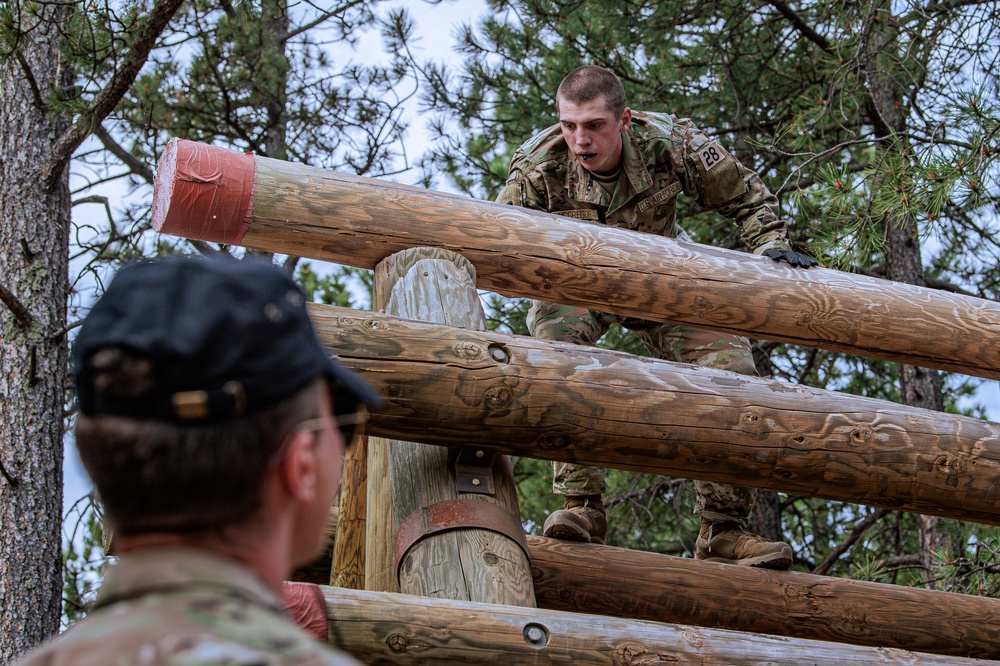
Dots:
pixel 594 133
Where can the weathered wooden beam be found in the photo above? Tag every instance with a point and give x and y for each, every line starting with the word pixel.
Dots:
pixel 473 562
pixel 557 401
pixel 347 567
pixel 384 628
pixel 218 195
pixel 649 586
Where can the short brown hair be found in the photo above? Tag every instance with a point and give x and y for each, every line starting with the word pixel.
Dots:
pixel 589 82
pixel 158 476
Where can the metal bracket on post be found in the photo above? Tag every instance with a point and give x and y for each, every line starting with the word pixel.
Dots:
pixel 474 469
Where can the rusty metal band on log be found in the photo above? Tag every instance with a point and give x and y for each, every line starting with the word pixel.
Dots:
pixel 456 514
pixel 322 214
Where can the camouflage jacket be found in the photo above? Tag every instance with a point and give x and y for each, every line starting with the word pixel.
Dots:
pixel 178 606
pixel 662 157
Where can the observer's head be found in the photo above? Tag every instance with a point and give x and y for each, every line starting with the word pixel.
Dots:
pixel 198 378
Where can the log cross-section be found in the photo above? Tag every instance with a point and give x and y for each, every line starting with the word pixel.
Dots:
pixel 312 212
pixel 567 402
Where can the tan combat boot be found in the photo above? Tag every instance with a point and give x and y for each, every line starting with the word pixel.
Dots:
pixel 582 519
pixel 728 542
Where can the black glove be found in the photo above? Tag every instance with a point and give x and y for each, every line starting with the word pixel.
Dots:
pixel 791 257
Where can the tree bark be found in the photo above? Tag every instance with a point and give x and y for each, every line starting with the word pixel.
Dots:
pixel 37 140
pixel 34 239
pixel 920 387
pixel 560 401
pixel 306 211
pixel 766 518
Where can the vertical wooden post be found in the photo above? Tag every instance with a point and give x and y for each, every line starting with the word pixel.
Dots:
pixel 348 566
pixel 380 569
pixel 471 564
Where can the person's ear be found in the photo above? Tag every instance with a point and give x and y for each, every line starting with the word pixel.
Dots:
pixel 299 469
pixel 626 119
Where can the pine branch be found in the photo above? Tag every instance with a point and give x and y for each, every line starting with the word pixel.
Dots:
pixel 107 99
pixel 65 329
pixel 11 480
pixel 36 94
pixel 859 530
pixel 799 24
pixel 322 18
pixel 135 165
pixel 21 314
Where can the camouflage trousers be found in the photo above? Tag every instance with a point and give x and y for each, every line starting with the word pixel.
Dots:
pixel 671 342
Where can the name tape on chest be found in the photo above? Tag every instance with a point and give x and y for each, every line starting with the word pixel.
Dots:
pixel 579 214
pixel 671 190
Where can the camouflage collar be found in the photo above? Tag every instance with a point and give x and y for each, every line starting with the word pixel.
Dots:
pixel 582 186
pixel 153 570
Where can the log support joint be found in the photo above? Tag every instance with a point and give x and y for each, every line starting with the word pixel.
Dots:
pixel 457 514
pixel 474 469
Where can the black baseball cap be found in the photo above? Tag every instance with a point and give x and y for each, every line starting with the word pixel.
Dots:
pixel 224 337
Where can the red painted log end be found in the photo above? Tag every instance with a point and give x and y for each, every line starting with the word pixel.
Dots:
pixel 203 192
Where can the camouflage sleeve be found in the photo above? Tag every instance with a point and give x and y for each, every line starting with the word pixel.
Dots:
pixel 525 186
pixel 719 181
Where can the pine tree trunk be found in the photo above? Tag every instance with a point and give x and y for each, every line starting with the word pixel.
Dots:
pixel 33 283
pixel 766 517
pixel 920 387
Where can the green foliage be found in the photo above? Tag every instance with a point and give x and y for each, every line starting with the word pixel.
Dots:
pixel 83 558
pixel 331 287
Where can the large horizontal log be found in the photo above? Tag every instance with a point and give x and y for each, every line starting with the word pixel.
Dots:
pixel 218 195
pixel 661 588
pixel 649 586
pixel 535 398
pixel 384 628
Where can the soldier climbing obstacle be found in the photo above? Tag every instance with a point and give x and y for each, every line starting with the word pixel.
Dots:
pixel 606 164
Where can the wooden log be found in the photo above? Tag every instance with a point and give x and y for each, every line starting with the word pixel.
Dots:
pixel 575 403
pixel 217 195
pixel 649 586
pixel 661 588
pixel 348 566
pixel 380 565
pixel 475 564
pixel 383 628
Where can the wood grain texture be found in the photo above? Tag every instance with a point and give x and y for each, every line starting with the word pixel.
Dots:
pixel 323 214
pixel 472 564
pixel 381 628
pixel 567 402
pixel 380 565
pixel 348 566
pixel 649 586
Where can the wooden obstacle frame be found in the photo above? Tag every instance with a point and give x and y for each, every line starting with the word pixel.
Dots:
pixel 415 529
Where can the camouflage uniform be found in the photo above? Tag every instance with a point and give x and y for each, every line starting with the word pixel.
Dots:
pixel 181 606
pixel 662 156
